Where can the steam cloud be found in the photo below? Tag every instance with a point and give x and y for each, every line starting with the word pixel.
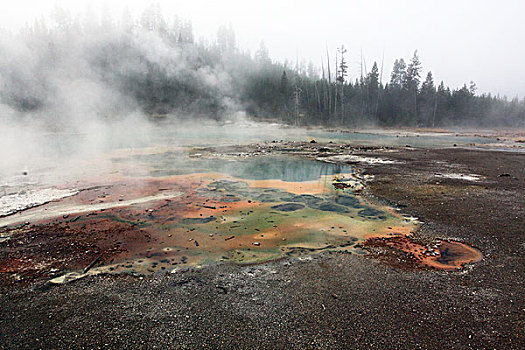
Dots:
pixel 104 82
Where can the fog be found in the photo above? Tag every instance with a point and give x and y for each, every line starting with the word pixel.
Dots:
pixel 461 40
pixel 78 80
pixel 60 103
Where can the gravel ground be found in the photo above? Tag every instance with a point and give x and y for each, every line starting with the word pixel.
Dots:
pixel 329 301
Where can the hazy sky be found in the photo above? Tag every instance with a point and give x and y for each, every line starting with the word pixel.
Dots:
pixel 459 40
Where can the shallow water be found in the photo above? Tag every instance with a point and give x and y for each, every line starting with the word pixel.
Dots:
pixel 260 132
pixel 285 168
pixel 212 208
pixel 223 218
pixel 401 139
pixel 55 155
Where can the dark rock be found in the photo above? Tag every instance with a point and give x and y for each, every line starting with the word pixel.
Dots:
pixel 288 207
pixel 327 206
pixel 348 201
pixel 191 221
pixel 371 213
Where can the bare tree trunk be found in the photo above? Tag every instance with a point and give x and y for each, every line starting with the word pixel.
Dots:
pixel 317 97
pixel 296 97
pixel 368 99
pixel 325 95
pixel 342 103
pixel 335 95
pixel 307 95
pixel 435 109
pixel 379 87
pixel 415 106
pixel 329 84
pixel 364 104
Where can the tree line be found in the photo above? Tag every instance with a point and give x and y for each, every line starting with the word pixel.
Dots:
pixel 160 66
pixel 405 99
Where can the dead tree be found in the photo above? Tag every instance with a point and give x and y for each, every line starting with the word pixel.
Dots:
pixel 297 96
pixel 329 84
pixel 343 72
pixel 379 87
pixel 335 90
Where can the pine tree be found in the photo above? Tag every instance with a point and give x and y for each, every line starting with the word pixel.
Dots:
pixel 226 39
pixel 396 91
pixel 397 78
pixel 284 83
pixel 343 72
pixel 412 85
pixel 413 72
pixel 372 86
pixel 428 101
pixel 262 56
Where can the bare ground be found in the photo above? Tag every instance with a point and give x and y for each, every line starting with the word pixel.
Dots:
pixel 330 301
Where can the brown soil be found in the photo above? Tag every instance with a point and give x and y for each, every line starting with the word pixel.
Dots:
pixel 407 252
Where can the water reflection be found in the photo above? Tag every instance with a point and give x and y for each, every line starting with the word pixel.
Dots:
pixel 285 168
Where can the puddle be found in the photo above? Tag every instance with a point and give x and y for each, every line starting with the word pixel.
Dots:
pixel 260 168
pixel 457 176
pixel 357 159
pixel 402 139
pixel 454 255
pixel 443 255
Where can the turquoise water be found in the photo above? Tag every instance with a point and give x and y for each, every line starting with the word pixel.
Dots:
pixel 221 135
pixel 286 168
pixel 36 153
pixel 422 141
pixel 233 135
